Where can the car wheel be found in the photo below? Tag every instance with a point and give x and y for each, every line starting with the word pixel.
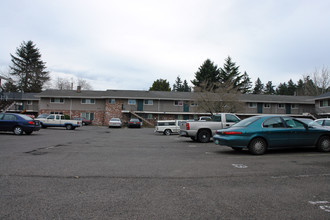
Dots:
pixel 18 130
pixel 167 132
pixel 237 148
pixel 204 136
pixel 258 146
pixel 68 127
pixel 323 144
pixel 28 132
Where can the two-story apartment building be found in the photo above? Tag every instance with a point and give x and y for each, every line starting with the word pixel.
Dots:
pixel 19 102
pixel 322 105
pixel 101 106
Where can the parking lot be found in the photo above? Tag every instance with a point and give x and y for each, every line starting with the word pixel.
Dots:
pixel 101 173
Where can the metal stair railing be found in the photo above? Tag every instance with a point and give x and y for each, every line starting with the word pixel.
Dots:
pixel 143 119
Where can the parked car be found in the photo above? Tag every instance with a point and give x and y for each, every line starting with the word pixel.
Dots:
pixel 168 127
pixel 260 133
pixel 115 122
pixel 84 120
pixel 134 123
pixel 325 122
pixel 18 123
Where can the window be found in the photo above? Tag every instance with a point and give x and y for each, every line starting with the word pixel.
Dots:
pixel 281 106
pixel 178 103
pixel 192 103
pixel 9 118
pixel 324 103
pixel 294 106
pixel 87 115
pixel 131 101
pixel 274 123
pixel 56 113
pixel 29 102
pixel 231 118
pixel 149 116
pixel 291 123
pixel 87 101
pixel 56 100
pixel 266 105
pixel 148 102
pixel 112 101
pixel 252 105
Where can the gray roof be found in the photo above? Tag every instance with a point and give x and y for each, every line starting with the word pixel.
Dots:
pixel 323 96
pixel 20 96
pixel 278 99
pixel 129 94
pixel 161 95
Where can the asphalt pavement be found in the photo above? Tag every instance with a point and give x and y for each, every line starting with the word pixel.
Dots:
pixel 95 172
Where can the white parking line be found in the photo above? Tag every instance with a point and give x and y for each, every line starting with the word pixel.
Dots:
pixel 324 207
pixel 240 166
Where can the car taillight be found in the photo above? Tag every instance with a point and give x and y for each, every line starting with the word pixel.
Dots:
pixel 31 122
pixel 187 126
pixel 231 132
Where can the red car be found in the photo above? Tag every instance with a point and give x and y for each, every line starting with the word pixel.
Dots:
pixel 84 121
pixel 134 123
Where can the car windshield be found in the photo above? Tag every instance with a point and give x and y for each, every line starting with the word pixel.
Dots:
pixel 246 122
pixel 115 119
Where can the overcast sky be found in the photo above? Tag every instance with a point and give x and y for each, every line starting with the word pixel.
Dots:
pixel 129 44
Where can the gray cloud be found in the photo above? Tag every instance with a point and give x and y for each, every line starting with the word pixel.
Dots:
pixel 129 44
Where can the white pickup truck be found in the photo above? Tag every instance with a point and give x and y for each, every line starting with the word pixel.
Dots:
pixel 168 127
pixel 59 121
pixel 202 131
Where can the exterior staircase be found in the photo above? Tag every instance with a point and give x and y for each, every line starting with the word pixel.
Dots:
pixel 143 119
pixel 6 105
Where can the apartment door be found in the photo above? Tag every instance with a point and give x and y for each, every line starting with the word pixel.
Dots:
pixel 140 105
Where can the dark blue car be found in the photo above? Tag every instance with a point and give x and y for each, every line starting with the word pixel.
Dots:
pixel 260 133
pixel 18 123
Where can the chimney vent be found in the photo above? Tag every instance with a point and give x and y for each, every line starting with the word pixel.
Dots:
pixel 78 89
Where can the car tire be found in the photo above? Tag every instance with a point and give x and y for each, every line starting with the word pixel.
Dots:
pixel 323 144
pixel 204 136
pixel 18 130
pixel 258 146
pixel 68 127
pixel 167 132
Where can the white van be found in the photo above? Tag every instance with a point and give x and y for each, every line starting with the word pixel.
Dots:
pixel 168 127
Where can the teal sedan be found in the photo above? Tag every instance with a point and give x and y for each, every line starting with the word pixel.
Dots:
pixel 260 133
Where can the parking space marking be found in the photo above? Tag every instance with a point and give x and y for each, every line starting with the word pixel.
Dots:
pixel 240 166
pixel 300 176
pixel 324 205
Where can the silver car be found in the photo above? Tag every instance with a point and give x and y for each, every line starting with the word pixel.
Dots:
pixel 115 122
pixel 324 122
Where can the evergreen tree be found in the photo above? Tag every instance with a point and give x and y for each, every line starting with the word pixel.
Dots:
pixel 258 87
pixel 28 68
pixel 246 84
pixel 269 88
pixel 160 85
pixel 282 89
pixel 186 87
pixel 208 74
pixel 178 87
pixel 291 87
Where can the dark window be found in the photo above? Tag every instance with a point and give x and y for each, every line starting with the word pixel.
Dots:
pixel 274 123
